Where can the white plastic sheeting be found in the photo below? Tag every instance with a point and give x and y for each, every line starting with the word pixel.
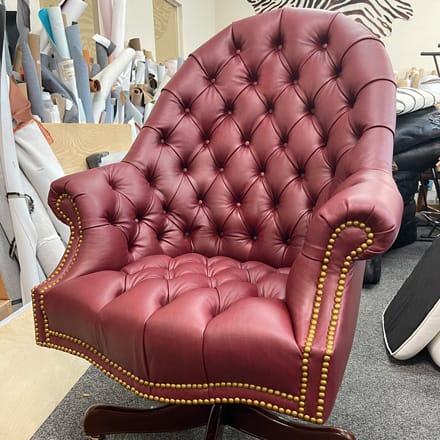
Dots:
pixel 23 228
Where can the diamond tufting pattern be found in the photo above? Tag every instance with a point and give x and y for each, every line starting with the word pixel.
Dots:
pixel 220 261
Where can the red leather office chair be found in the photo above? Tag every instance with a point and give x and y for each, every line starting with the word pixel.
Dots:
pixel 218 268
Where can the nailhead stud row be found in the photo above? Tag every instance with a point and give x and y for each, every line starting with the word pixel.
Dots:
pixel 48 284
pixel 334 319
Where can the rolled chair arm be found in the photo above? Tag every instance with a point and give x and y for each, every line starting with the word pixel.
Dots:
pixel 365 203
pixel 104 209
pixel 324 322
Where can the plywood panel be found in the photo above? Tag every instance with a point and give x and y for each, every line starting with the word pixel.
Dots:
pixel 33 380
pixel 165 30
pixel 74 142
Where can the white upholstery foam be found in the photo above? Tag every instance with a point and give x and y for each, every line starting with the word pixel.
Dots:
pixel 434 349
pixel 421 337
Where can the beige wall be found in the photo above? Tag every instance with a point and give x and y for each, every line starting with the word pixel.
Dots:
pixel 140 23
pixel 227 11
pixel 409 38
pixel 202 18
pixel 198 23
pixel 420 33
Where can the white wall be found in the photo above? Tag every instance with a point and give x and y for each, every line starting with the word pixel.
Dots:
pixel 409 38
pixel 139 23
pixel 227 11
pixel 202 18
pixel 198 23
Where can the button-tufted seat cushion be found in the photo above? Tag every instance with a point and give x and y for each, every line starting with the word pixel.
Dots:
pixel 221 260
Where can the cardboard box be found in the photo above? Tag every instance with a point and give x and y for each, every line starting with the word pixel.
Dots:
pixel 5 302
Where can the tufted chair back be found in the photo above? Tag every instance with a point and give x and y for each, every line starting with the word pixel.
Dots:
pixel 219 262
pixel 257 129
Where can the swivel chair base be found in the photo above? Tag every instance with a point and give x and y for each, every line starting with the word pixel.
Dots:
pixel 263 424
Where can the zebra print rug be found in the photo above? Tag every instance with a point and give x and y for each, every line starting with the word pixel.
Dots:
pixel 376 15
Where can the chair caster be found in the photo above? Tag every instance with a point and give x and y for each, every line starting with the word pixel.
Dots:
pixel 373 270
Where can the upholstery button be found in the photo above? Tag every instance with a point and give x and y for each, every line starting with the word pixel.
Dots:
pixel 221 169
pixel 237 51
pixel 280 46
pixel 324 45
pixel 254 83
pixel 287 241
pixel 187 234
pixel 213 80
pixel 136 220
pixel 247 143
pixel 220 233
pixel 200 202
pixel 229 112
pixel 262 173
pixel 207 141
pixel 185 170
pixel 285 144
pixel 162 141
pixel 187 110
pixel 238 204
pixel 270 110
pixel 254 238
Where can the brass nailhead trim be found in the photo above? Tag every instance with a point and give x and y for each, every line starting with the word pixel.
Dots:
pixel 308 346
pixel 151 396
pixel 51 281
pixel 334 319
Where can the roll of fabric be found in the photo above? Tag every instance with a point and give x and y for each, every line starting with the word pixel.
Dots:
pixel 81 70
pixel 107 78
pixel 54 21
pixel 32 80
pixel 54 85
pixel 131 112
pixel 136 96
pixel 73 9
pixel 140 72
pixel 49 247
pixel 94 84
pixel 34 46
pixel 102 58
pixel 40 166
pixel 105 11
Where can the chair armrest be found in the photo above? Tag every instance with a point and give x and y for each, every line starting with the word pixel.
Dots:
pixel 361 219
pixel 365 203
pixel 104 209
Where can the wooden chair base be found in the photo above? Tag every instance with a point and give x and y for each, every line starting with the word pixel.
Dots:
pixel 101 420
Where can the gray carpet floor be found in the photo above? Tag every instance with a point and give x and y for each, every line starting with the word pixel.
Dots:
pixel 380 399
